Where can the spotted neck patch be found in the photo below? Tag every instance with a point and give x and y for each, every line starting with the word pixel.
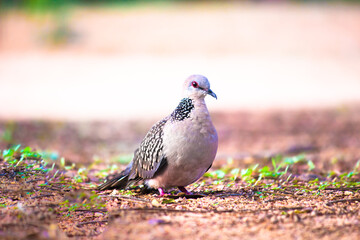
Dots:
pixel 183 110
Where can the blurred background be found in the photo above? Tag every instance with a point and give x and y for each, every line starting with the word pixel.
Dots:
pixel 125 59
pixel 99 73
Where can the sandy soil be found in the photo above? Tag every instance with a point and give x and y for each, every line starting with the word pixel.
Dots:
pixel 293 206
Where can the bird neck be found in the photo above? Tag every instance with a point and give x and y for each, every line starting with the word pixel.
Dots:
pixel 186 107
pixel 200 110
pixel 183 110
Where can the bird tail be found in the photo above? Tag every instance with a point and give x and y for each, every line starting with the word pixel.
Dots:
pixel 120 181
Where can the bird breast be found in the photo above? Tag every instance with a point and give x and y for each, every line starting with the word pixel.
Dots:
pixel 190 147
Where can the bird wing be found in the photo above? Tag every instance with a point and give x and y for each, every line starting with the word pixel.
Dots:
pixel 149 158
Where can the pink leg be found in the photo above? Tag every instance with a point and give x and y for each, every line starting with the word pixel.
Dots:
pixel 161 192
pixel 183 189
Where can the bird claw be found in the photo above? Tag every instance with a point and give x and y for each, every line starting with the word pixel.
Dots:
pixel 183 189
pixel 161 192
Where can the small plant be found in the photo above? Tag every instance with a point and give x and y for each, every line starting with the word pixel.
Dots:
pixel 280 167
pixel 23 160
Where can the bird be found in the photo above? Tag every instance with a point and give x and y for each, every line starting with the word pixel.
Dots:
pixel 178 149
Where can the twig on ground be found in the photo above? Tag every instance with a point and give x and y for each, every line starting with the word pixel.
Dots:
pixel 91 210
pixel 276 199
pixel 91 222
pixel 172 210
pixel 343 200
pixel 43 195
pixel 342 188
pixel 130 198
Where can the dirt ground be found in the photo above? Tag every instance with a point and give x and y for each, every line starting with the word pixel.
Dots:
pixel 294 206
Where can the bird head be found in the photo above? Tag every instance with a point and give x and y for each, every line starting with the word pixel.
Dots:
pixel 197 87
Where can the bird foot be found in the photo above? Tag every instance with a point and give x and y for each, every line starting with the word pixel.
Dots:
pixel 161 192
pixel 183 189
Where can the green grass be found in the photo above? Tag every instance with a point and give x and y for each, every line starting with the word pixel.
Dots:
pixel 280 171
pixel 26 161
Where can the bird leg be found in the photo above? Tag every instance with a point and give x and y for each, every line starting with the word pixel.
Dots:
pixel 183 189
pixel 161 192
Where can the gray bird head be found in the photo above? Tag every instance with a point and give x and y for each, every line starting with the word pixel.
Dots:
pixel 197 87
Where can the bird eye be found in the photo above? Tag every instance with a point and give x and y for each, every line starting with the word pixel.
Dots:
pixel 194 84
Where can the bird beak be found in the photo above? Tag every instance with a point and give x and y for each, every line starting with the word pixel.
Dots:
pixel 211 93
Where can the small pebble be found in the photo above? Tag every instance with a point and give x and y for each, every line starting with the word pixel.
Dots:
pixel 155 221
pixel 155 203
pixel 297 218
pixel 245 219
pixel 221 209
pixel 313 213
pixel 274 219
pixel 114 192
pixel 98 214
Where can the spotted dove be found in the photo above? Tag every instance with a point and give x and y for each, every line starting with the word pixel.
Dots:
pixel 178 149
